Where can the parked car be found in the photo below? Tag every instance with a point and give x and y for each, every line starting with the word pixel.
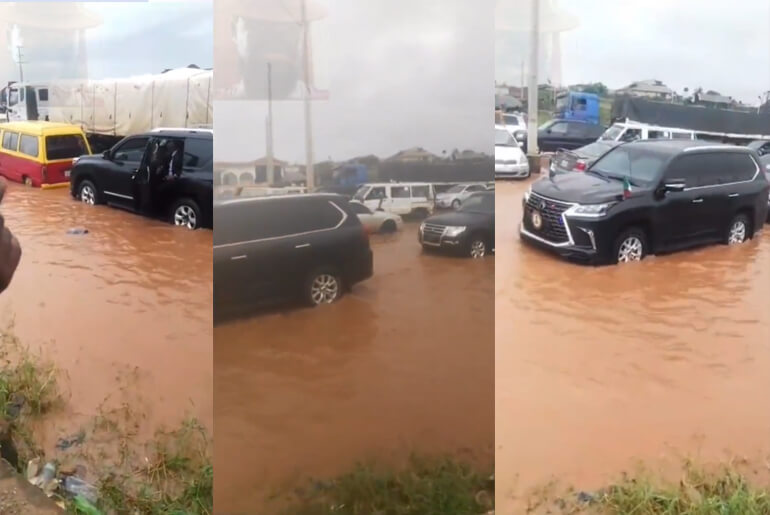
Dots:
pixel 272 249
pixel 401 198
pixel 568 134
pixel 580 159
pixel 516 125
pixel 470 230
pixel 648 197
pixel 761 147
pixel 456 195
pixel 134 175
pixel 765 161
pixel 376 221
pixel 510 161
pixel 624 132
pixel 39 153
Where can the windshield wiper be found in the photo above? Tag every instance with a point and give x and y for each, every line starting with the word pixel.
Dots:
pixel 597 172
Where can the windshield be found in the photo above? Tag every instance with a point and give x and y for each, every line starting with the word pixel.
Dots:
pixel 613 133
pixel 361 193
pixel 511 119
pixel 456 189
pixel 593 150
pixel 561 103
pixel 641 165
pixel 479 203
pixel 504 138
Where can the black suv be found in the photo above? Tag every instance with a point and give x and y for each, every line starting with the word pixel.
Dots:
pixel 566 134
pixel 470 230
pixel 275 248
pixel 648 197
pixel 166 173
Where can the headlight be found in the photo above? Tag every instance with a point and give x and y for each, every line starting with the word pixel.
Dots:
pixel 591 209
pixel 422 227
pixel 452 232
pixel 520 135
pixel 527 193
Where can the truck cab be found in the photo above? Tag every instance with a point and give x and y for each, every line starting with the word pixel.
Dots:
pixel 23 102
pixel 575 105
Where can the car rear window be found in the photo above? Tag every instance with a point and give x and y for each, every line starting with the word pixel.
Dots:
pixel 66 146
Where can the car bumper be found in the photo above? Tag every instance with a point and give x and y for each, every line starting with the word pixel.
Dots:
pixel 571 252
pixel 446 243
pixel 363 270
pixel 444 203
pixel 511 170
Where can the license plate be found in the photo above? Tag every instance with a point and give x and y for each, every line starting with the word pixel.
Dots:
pixel 537 220
pixel 66 173
pixel 564 163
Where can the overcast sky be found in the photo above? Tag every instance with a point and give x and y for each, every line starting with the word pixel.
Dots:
pixel 399 74
pixel 724 46
pixel 138 38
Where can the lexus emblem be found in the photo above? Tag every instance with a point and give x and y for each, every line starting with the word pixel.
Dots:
pixel 537 220
pixel 542 206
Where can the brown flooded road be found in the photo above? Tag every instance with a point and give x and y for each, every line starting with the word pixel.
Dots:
pixel 598 368
pixel 402 364
pixel 127 305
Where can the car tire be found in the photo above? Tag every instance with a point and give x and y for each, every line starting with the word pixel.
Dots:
pixel 630 245
pixel 739 230
pixel 88 194
pixel 185 212
pixel 456 204
pixel 323 286
pixel 478 246
pixel 387 227
pixel 421 213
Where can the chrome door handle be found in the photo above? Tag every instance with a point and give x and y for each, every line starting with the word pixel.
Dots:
pixel 697 201
pixel 235 258
pixel 302 246
pixel 733 195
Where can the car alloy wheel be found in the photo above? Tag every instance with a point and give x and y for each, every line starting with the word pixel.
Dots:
pixel 87 195
pixel 478 249
pixel 324 289
pixel 631 249
pixel 184 216
pixel 737 232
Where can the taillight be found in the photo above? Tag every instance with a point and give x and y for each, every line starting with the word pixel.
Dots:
pixel 45 174
pixel 580 166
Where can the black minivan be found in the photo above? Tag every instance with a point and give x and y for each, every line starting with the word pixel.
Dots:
pixel 290 247
pixel 648 197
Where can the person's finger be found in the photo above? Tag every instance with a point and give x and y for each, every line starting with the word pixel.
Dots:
pixel 10 254
pixel 3 186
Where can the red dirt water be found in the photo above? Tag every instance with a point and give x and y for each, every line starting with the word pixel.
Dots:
pixel 401 365
pixel 123 311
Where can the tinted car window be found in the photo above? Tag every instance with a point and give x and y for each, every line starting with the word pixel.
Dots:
pixel 559 128
pixel 131 150
pixel 479 203
pixel 637 163
pixel 10 140
pixel 65 147
pixel 359 209
pixel 421 192
pixel 198 153
pixel 695 169
pixel 29 145
pixel 738 167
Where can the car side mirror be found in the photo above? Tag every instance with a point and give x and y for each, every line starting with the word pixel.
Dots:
pixel 106 154
pixel 674 186
pixel 548 131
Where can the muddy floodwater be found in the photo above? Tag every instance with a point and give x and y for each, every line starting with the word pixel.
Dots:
pixel 600 368
pixel 123 311
pixel 401 365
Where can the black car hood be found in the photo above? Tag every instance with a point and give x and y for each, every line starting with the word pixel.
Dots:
pixel 458 218
pixel 95 158
pixel 580 187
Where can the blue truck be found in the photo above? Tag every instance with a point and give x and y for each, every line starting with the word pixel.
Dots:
pixel 578 106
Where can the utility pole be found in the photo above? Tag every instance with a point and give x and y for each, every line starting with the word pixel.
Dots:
pixel 534 40
pixel 19 57
pixel 522 81
pixel 309 173
pixel 270 165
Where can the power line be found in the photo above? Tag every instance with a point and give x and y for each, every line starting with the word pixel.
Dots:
pixel 20 60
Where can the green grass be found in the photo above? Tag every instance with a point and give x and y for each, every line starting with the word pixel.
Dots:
pixel 426 486
pixel 724 492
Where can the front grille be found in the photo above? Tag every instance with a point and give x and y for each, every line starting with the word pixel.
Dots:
pixel 550 210
pixel 432 233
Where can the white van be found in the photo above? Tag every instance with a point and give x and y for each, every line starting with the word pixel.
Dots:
pixel 401 198
pixel 630 131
